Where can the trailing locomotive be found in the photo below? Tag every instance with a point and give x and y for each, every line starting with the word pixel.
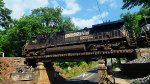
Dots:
pixel 102 37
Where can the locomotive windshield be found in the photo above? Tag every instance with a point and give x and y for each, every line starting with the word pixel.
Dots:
pixel 38 39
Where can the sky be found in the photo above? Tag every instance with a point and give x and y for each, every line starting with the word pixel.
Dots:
pixel 83 13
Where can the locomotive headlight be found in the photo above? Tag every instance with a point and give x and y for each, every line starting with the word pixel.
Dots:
pixel 34 41
pixel 124 41
pixel 148 26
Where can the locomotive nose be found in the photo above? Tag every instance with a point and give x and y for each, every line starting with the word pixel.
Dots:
pixel 24 49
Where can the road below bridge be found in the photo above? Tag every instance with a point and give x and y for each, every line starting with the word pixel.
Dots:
pixel 91 77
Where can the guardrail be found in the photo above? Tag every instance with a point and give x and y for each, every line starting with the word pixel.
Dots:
pixel 2 54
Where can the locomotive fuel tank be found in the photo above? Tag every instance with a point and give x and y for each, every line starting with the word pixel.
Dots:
pixel 64 49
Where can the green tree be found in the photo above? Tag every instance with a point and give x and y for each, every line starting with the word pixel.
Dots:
pixel 52 18
pixel 132 23
pixel 5 21
pixel 145 11
pixel 132 20
pixel 42 20
pixel 0 40
pixel 131 3
pixel 5 18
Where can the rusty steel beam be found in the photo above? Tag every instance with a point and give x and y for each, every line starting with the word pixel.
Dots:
pixel 94 54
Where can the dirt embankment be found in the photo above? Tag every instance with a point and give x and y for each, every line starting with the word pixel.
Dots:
pixel 7 66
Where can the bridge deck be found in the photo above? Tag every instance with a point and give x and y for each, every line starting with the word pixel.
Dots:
pixel 85 55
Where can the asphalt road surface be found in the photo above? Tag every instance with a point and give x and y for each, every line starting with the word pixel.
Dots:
pixel 89 77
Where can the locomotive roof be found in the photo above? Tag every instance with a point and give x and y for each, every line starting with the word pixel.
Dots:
pixel 108 26
pixel 108 23
pixel 103 27
pixel 85 29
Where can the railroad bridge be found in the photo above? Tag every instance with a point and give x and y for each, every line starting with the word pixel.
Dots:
pixel 114 39
pixel 46 61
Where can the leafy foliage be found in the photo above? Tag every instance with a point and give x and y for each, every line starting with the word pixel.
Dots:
pixel 145 11
pixel 64 65
pixel 132 20
pixel 131 3
pixel 42 20
pixel 79 67
pixel 5 18
pixel 52 18
pixel 132 23
pixel 0 40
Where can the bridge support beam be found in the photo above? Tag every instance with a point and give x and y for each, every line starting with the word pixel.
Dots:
pixel 41 75
pixel 50 71
pixel 102 72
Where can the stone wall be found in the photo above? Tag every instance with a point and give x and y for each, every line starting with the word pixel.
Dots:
pixel 21 76
pixel 8 74
pixel 8 65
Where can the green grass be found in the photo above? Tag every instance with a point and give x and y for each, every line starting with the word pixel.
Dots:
pixel 79 69
pixel 0 79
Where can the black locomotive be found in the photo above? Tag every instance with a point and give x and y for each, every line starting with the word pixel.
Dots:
pixel 101 37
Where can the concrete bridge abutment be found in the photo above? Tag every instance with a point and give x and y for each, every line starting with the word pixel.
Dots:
pixel 102 72
pixel 44 73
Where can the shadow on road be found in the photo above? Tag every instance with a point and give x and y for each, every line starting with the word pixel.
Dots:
pixel 94 70
pixel 75 82
pixel 61 80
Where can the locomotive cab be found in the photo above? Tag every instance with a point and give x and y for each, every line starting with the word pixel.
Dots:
pixel 35 46
pixel 145 32
pixel 147 28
